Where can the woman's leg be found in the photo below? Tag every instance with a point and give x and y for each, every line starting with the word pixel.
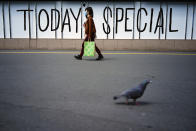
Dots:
pixel 82 49
pixel 79 57
pixel 100 57
pixel 98 51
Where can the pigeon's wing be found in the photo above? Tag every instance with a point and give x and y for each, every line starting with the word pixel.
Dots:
pixel 132 93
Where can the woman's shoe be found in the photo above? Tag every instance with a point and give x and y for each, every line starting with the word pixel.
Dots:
pixel 100 57
pixel 78 57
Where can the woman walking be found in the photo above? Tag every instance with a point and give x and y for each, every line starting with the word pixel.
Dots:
pixel 90 33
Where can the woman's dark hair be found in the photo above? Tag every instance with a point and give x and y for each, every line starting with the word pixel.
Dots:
pixel 90 11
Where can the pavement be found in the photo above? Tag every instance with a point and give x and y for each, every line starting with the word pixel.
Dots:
pixel 51 91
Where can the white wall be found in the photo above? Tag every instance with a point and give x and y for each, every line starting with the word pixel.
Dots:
pixel 180 20
pixel 121 34
pixel 147 19
pixel 43 20
pixel 75 6
pixel 1 22
pixel 6 19
pixel 194 24
pixel 17 20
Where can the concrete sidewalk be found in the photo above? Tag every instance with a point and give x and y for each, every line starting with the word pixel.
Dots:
pixel 55 92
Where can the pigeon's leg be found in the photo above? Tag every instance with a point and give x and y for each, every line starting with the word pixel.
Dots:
pixel 134 101
pixel 127 102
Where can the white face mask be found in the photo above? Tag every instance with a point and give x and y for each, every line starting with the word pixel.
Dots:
pixel 85 13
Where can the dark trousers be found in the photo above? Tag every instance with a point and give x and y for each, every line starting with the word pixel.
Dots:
pixel 96 48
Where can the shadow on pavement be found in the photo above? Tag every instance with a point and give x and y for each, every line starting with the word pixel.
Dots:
pixel 94 59
pixel 138 103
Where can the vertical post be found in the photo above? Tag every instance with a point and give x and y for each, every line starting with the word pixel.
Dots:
pixel 107 17
pixel 133 19
pixel 55 21
pixel 3 13
pixel 81 17
pixel 10 20
pixel 159 21
pixel 166 21
pixel 61 18
pixel 140 19
pixel 193 20
pixel 36 20
pixel 113 18
pixel 186 20
pixel 36 31
pixel 29 20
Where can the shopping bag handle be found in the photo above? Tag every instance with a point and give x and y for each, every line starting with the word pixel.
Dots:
pixel 89 39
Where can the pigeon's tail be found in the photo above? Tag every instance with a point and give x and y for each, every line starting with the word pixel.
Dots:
pixel 116 97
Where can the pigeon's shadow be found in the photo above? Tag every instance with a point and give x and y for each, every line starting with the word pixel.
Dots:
pixel 138 103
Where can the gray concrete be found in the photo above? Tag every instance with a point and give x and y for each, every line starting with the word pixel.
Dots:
pixel 55 92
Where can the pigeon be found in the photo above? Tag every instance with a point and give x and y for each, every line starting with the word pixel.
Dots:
pixel 134 93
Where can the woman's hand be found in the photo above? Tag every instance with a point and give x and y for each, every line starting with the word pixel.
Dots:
pixel 87 36
pixel 84 25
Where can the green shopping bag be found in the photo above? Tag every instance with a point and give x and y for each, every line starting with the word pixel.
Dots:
pixel 89 48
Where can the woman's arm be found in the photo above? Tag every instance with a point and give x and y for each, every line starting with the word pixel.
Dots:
pixel 86 27
pixel 90 27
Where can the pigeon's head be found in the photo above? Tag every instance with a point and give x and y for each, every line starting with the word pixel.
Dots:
pixel 115 97
pixel 148 82
pixel 145 83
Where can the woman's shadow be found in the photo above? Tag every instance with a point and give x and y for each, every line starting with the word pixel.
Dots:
pixel 104 59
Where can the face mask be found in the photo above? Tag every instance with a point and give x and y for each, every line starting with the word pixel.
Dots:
pixel 86 14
